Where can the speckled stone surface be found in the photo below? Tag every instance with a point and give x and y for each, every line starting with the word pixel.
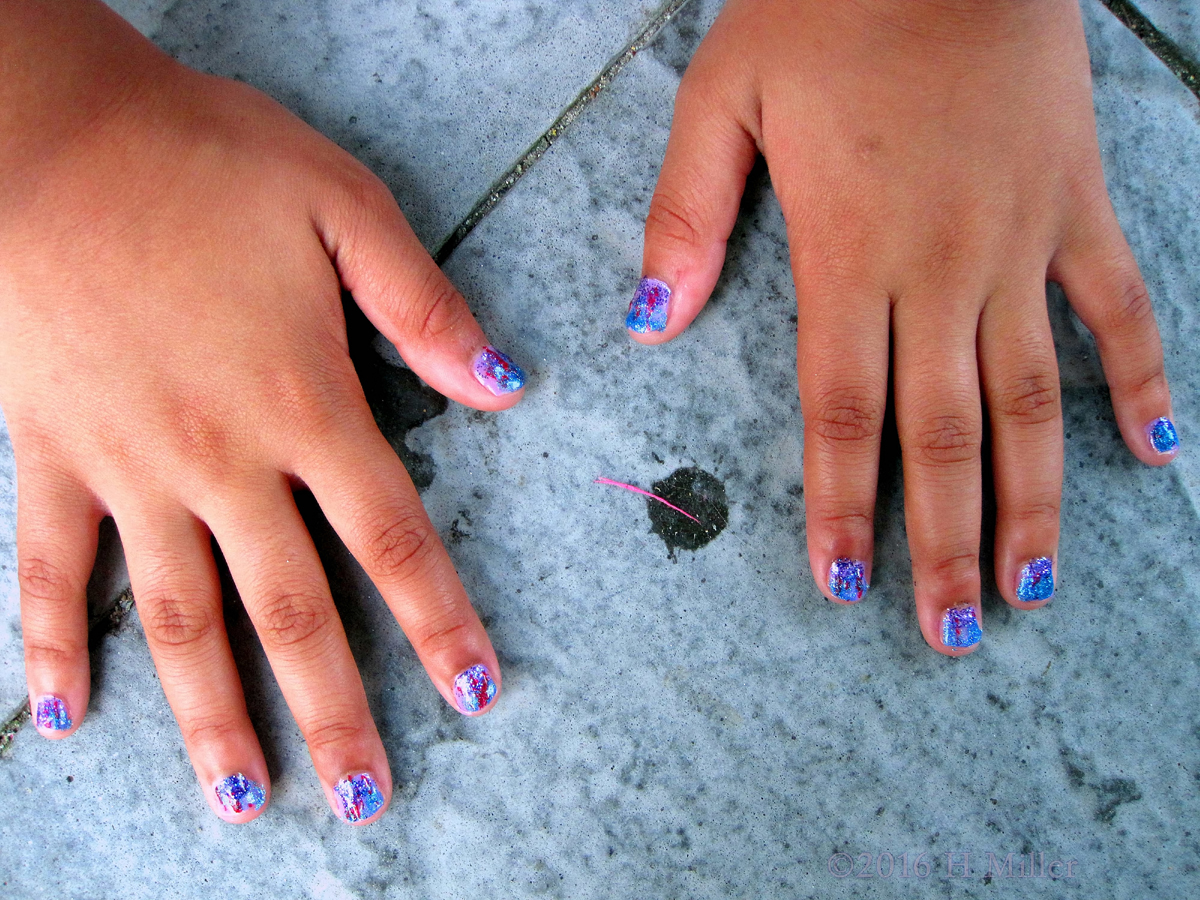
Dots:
pixel 700 724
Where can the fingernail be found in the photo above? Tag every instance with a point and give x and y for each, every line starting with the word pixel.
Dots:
pixel 848 579
pixel 358 797
pixel 496 372
pixel 960 627
pixel 1162 435
pixel 239 794
pixel 51 714
pixel 648 309
pixel 1037 580
pixel 474 689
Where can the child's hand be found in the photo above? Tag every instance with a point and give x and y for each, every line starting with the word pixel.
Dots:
pixel 173 353
pixel 936 162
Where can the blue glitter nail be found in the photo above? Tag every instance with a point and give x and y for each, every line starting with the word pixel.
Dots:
pixel 960 627
pixel 52 715
pixel 847 579
pixel 496 372
pixel 358 797
pixel 239 794
pixel 474 689
pixel 648 309
pixel 1037 580
pixel 1162 435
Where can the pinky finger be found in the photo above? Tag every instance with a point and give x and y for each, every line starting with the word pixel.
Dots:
pixel 1100 276
pixel 57 532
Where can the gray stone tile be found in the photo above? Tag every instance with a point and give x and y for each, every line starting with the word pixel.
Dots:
pixel 703 725
pixel 438 98
pixel 1177 19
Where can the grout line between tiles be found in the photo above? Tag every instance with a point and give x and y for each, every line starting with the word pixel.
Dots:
pixel 566 118
pixel 1184 68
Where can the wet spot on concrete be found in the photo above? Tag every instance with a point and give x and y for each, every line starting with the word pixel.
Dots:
pixel 697 492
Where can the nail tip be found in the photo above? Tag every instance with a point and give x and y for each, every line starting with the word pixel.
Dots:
pixel 1036 582
pixel 1164 439
pixel 358 797
pixel 847 579
pixel 51 714
pixel 648 308
pixel 960 628
pixel 474 689
pixel 497 372
pixel 237 794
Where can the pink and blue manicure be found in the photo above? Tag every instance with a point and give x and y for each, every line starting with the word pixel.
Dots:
pixel 474 689
pixel 960 627
pixel 648 309
pixel 1037 580
pixel 848 579
pixel 496 372
pixel 51 714
pixel 358 797
pixel 1163 438
pixel 239 794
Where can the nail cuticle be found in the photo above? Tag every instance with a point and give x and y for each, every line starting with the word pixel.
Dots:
pixel 474 689
pixel 848 579
pixel 648 309
pixel 960 627
pixel 497 372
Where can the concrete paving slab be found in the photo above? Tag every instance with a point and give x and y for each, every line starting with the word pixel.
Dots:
pixel 1177 19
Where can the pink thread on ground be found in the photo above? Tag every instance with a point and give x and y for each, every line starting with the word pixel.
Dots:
pixel 638 490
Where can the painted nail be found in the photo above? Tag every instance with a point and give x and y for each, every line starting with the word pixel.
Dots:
pixel 648 309
pixel 51 714
pixel 496 372
pixel 848 579
pixel 358 797
pixel 1037 580
pixel 474 689
pixel 1162 435
pixel 239 794
pixel 960 627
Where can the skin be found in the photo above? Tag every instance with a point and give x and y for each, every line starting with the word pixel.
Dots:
pixel 936 163
pixel 173 354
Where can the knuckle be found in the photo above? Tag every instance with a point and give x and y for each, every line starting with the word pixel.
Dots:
pixel 955 565
pixel 846 418
pixel 673 219
pixel 1131 306
pixel 50 656
pixel 44 582
pixel 397 543
pixel 442 632
pixel 1035 511
pixel 444 310
pixel 330 734
pixel 176 621
pixel 201 730
pixel 947 440
pixel 290 618
pixel 1031 399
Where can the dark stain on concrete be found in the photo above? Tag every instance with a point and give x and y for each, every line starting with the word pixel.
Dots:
pixel 697 492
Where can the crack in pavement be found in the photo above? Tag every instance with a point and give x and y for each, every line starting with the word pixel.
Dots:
pixel 1171 54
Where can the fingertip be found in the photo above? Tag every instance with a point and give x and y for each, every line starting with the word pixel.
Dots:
pixel 500 376
pixel 475 690
pixel 54 716
pixel 360 798
pixel 1162 441
pixel 954 630
pixel 846 581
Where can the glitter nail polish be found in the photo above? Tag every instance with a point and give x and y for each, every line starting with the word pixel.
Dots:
pixel 960 627
pixel 474 689
pixel 1162 435
pixel 648 309
pixel 51 714
pixel 847 579
pixel 239 794
pixel 496 372
pixel 358 797
pixel 1037 580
